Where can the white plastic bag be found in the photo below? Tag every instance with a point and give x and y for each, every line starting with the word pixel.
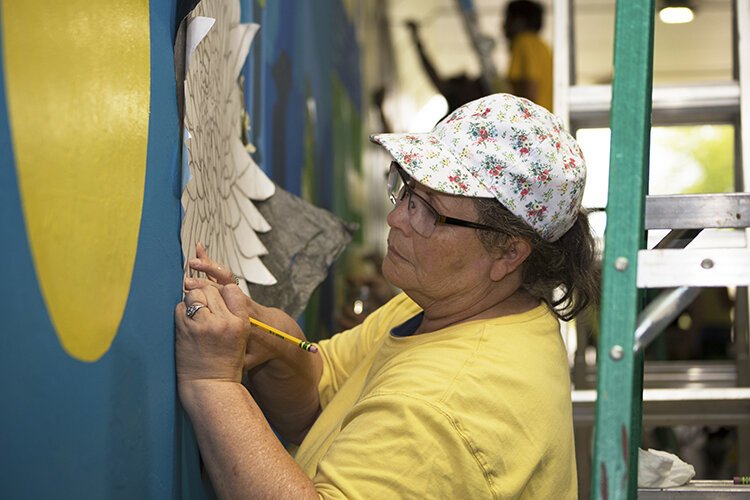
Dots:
pixel 659 469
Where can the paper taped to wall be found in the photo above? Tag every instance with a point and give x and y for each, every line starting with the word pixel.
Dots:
pixel 223 178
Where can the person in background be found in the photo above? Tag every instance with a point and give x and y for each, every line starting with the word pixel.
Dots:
pixel 530 68
pixel 459 386
pixel 529 72
pixel 458 89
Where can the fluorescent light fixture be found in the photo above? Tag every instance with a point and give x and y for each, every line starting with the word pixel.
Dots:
pixel 676 11
pixel 676 15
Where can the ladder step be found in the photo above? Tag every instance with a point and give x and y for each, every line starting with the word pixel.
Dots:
pixel 679 374
pixel 666 407
pixel 697 490
pixel 694 211
pixel 711 102
pixel 700 267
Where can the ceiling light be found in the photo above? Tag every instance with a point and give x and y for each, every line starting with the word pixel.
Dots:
pixel 676 12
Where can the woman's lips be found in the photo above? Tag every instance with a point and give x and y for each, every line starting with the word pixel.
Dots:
pixel 395 253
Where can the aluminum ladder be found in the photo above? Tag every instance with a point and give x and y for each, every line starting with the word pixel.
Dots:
pixel 627 266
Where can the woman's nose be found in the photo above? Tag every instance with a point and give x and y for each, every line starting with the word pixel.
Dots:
pixel 399 216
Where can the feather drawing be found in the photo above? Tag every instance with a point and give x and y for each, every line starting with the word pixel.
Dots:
pixel 218 198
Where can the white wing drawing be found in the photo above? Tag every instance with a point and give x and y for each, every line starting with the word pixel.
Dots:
pixel 218 199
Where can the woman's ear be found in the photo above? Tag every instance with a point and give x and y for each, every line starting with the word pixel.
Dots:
pixel 516 252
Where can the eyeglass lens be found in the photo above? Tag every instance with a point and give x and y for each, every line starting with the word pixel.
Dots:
pixel 422 217
pixel 394 184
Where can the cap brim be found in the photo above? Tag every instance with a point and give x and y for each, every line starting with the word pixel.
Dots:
pixel 430 163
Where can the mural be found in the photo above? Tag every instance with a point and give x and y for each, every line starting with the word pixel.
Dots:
pixel 218 200
pixel 86 356
pixel 70 196
pixel 304 96
pixel 90 220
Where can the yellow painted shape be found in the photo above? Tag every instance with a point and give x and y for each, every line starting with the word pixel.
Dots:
pixel 77 76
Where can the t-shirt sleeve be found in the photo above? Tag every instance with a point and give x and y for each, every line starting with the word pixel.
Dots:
pixel 343 352
pixel 398 446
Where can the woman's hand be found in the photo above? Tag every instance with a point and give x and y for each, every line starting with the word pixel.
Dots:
pixel 210 343
pixel 261 347
pixel 216 272
pixel 218 342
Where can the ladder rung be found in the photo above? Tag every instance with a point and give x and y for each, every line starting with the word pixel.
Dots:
pixel 666 407
pixel 697 490
pixel 680 374
pixel 700 267
pixel 694 211
pixel 715 102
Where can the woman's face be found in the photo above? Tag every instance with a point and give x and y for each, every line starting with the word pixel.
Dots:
pixel 450 263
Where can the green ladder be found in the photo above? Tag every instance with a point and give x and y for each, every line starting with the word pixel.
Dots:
pixel 620 370
pixel 627 266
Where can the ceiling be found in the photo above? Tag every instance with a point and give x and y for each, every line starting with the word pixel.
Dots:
pixel 698 51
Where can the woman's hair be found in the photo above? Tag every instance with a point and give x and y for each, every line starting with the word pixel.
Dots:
pixel 568 264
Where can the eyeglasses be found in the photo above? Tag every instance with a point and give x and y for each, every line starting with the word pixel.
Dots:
pixel 423 217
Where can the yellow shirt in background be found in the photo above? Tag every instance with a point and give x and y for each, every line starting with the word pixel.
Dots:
pixel 476 410
pixel 531 60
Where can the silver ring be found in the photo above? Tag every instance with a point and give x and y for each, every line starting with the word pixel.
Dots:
pixel 192 309
pixel 236 279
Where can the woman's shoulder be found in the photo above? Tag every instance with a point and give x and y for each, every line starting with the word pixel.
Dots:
pixel 522 354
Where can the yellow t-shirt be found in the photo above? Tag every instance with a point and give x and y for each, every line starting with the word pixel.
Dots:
pixel 476 410
pixel 531 59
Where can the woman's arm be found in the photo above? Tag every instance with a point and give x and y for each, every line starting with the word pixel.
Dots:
pixel 283 378
pixel 243 456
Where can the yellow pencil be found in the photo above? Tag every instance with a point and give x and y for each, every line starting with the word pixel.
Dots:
pixel 302 344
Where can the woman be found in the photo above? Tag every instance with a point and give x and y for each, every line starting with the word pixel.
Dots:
pixel 456 388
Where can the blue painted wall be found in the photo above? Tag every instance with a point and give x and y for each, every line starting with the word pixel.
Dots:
pixel 113 428
pixel 304 95
pixel 107 429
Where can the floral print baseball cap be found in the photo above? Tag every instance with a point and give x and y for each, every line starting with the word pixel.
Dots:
pixel 505 147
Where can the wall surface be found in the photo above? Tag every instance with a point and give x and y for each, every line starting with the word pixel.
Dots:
pixel 89 403
pixel 90 217
pixel 304 98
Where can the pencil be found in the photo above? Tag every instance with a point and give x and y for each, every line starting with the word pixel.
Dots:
pixel 302 344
